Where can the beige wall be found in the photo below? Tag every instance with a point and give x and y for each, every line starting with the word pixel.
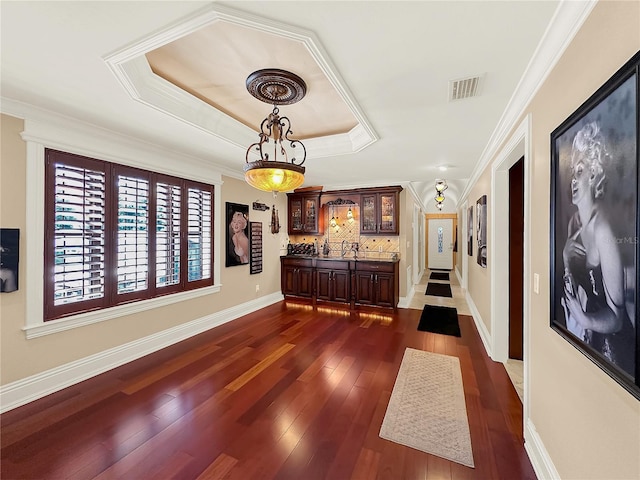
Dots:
pixel 21 358
pixel 589 425
pixel 479 278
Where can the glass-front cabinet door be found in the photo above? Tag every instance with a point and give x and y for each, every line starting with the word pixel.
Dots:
pixel 304 214
pixel 296 224
pixel 388 213
pixel 368 213
pixel 311 215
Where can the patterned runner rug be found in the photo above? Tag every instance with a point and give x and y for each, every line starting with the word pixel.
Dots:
pixel 427 410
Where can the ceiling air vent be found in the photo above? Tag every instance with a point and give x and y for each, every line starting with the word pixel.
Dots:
pixel 463 88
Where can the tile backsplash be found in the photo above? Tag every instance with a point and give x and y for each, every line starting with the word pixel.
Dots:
pixel 369 246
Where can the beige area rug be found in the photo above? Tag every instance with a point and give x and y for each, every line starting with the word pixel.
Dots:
pixel 427 410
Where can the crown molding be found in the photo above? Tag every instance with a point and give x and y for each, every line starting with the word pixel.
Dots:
pixel 74 136
pixel 130 67
pixel 567 20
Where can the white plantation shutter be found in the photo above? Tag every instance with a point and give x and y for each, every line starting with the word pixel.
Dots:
pixel 133 234
pixel 79 234
pixel 168 204
pixel 199 230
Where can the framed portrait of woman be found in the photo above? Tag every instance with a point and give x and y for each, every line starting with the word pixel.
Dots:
pixel 481 231
pixel 9 257
pixel 470 232
pixel 238 249
pixel 594 227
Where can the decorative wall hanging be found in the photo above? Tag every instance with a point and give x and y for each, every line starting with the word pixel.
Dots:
pixel 275 221
pixel 594 227
pixel 256 247
pixel 237 234
pixel 9 257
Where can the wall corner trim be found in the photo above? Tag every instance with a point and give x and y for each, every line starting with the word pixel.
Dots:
pixel 23 391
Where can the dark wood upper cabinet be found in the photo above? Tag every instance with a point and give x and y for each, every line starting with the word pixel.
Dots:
pixel 379 212
pixel 304 214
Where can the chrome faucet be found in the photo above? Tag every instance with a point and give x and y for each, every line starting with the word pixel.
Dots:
pixel 343 250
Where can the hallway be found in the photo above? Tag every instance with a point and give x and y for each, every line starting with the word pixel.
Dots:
pixel 514 368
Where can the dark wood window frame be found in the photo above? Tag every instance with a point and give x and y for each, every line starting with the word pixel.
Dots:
pixel 110 296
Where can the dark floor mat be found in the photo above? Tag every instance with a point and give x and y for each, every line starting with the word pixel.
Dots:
pixel 438 319
pixel 438 289
pixel 439 276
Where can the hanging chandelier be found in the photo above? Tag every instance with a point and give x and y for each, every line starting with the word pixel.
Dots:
pixel 441 186
pixel 275 170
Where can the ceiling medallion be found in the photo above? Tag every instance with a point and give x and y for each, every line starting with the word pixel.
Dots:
pixel 276 87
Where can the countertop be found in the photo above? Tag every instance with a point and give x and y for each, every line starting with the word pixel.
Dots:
pixel 343 259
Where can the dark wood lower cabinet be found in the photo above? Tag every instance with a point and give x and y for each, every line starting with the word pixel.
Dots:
pixel 333 285
pixel 377 284
pixel 297 280
pixel 366 283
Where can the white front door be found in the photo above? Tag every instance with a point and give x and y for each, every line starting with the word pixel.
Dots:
pixel 441 243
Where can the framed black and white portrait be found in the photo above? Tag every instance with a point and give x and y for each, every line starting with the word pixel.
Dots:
pixel 594 227
pixel 481 231
pixel 9 257
pixel 238 250
pixel 470 232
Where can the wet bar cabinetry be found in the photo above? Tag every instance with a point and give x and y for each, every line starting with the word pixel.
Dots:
pixel 379 210
pixel 344 281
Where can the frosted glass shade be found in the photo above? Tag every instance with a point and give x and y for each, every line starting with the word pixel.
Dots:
pixel 273 176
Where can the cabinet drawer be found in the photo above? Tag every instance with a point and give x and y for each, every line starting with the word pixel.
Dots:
pixel 297 262
pixel 375 267
pixel 333 264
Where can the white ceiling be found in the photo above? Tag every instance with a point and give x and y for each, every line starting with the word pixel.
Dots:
pixel 395 58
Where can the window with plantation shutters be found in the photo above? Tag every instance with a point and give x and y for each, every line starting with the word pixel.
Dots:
pixel 78 234
pixel 117 234
pixel 133 234
pixel 199 234
pixel 168 207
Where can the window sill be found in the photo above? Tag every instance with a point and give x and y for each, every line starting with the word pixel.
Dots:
pixel 88 318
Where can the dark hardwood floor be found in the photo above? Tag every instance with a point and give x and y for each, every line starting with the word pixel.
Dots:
pixel 288 392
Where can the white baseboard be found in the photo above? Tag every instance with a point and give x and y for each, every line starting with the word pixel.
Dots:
pixel 458 276
pixel 404 302
pixel 26 390
pixel 482 328
pixel 540 459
